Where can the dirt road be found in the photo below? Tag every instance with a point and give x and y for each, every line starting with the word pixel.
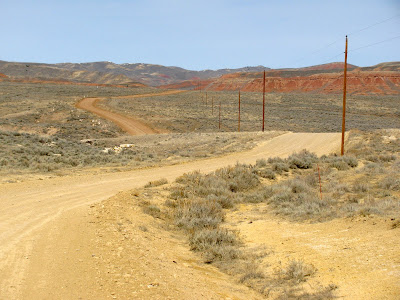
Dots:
pixel 128 124
pixel 27 207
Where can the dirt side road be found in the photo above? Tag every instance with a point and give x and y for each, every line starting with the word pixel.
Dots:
pixel 130 125
pixel 27 207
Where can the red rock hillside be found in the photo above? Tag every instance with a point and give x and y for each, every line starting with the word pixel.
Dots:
pixel 325 79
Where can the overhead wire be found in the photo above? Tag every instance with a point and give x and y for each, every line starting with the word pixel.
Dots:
pixel 375 24
pixel 373 44
pixel 351 34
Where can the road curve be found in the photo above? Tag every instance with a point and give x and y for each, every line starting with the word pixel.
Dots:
pixel 27 206
pixel 128 124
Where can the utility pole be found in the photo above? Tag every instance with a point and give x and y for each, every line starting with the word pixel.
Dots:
pixel 239 114
pixel 212 105
pixel 206 98
pixel 263 103
pixel 344 100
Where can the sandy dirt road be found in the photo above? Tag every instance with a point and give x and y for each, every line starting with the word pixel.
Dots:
pixel 26 207
pixel 128 124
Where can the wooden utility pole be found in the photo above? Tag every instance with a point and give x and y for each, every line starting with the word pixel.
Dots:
pixel 239 114
pixel 344 100
pixel 219 122
pixel 263 102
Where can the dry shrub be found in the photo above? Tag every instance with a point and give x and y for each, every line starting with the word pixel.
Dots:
pixel 155 183
pixel 387 206
pixel 302 160
pixel 297 199
pixel 278 165
pixel 239 178
pixel 266 173
pixel 341 163
pixel 198 213
pixel 360 186
pixel 215 244
pixel 152 210
pixel 390 182
pixel 261 163
pixel 297 271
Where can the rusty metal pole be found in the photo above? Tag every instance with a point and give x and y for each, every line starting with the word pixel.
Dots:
pixel 344 100
pixel 219 123
pixel 239 114
pixel 263 124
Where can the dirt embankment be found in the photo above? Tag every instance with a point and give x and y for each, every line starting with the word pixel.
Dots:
pixel 128 124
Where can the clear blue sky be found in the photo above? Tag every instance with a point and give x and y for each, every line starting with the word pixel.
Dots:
pixel 198 34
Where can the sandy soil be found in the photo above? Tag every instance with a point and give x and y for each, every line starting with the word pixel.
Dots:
pixel 359 255
pixel 28 206
pixel 128 124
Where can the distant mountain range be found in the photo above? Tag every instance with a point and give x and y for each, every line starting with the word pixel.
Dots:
pixel 111 73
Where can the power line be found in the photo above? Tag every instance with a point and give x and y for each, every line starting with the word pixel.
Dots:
pixel 375 24
pixel 314 52
pixel 351 34
pixel 373 44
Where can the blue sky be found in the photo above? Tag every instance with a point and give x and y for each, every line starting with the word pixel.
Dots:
pixel 199 34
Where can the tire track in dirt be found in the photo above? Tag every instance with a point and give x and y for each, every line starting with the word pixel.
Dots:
pixel 28 206
pixel 128 124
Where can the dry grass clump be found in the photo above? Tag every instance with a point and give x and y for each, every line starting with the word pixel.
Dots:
pixel 341 163
pixel 216 244
pixel 238 178
pixel 297 199
pixel 155 183
pixel 297 271
pixel 390 182
pixel 302 160
pixel 225 186
pixel 194 214
pixel 152 210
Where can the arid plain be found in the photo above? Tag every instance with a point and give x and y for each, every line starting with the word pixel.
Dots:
pixel 132 192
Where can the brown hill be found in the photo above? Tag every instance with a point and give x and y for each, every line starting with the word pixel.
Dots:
pixel 155 75
pixel 330 66
pixel 2 75
pixel 111 73
pixel 35 71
